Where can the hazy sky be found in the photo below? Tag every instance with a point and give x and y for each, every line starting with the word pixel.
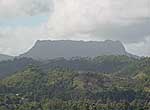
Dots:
pixel 22 22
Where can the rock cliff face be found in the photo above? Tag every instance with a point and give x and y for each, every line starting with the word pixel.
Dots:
pixel 43 50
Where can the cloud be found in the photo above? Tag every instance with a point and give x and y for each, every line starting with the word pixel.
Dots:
pixel 132 33
pixel 142 48
pixel 17 40
pixel 22 22
pixel 125 20
pixel 17 8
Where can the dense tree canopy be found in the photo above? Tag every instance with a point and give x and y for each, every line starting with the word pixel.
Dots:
pixel 101 83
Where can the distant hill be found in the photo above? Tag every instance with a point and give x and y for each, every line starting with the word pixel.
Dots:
pixel 5 57
pixel 9 67
pixel 46 49
pixel 122 65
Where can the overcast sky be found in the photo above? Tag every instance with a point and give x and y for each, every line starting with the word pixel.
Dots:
pixel 22 22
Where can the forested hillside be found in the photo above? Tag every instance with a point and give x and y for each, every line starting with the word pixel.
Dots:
pixel 122 65
pixel 100 83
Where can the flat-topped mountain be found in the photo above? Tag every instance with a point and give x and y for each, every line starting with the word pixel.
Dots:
pixel 5 57
pixel 47 49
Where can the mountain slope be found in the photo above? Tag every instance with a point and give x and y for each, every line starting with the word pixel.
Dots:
pixel 5 57
pixel 122 65
pixel 32 89
pixel 44 50
pixel 12 66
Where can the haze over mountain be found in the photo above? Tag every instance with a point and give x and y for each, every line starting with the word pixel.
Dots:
pixel 47 49
pixel 5 57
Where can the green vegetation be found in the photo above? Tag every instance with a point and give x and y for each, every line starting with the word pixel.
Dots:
pixel 111 83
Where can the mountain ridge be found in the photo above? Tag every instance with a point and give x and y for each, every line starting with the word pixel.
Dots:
pixel 48 49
